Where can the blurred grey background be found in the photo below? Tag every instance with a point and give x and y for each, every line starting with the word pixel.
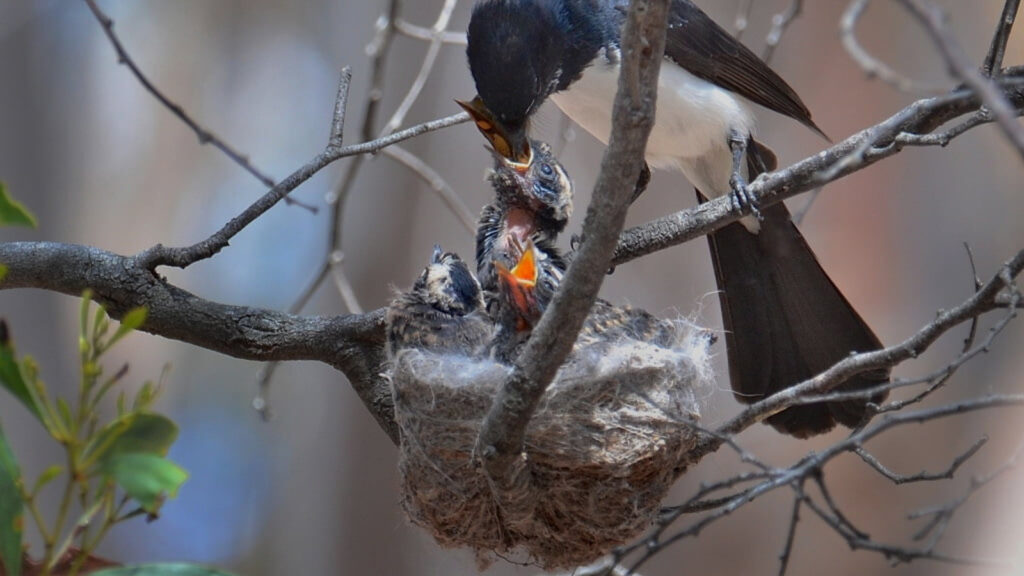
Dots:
pixel 315 491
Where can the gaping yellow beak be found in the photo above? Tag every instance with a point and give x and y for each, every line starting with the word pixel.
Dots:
pixel 525 271
pixel 501 142
pixel 520 283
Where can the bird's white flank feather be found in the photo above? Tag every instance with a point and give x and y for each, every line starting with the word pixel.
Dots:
pixel 692 124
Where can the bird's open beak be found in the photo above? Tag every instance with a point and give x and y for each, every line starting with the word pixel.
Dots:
pixel 522 276
pixel 521 282
pixel 513 147
pixel 525 271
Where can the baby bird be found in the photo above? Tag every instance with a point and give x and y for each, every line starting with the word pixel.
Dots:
pixel 442 312
pixel 533 204
pixel 522 294
pixel 526 290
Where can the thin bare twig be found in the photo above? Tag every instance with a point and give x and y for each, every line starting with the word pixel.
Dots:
pixel 780 23
pixel 942 515
pixel 160 255
pixel 810 467
pixel 897 553
pixel 444 191
pixel 872 66
pixel 844 521
pixel 742 21
pixel 337 136
pixel 922 476
pixel 423 33
pixel 376 51
pixel 341 281
pixel 960 65
pixel 429 60
pixel 937 378
pixel 204 135
pixel 981 301
pixel 261 403
pixel 812 197
pixel 794 519
pixel 994 60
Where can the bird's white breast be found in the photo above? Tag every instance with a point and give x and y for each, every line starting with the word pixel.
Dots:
pixel 692 125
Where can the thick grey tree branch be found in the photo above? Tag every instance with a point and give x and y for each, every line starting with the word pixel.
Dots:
pixel 353 344
pixel 500 443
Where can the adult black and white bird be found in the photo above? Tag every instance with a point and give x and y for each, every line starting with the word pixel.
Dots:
pixel 442 312
pixel 784 319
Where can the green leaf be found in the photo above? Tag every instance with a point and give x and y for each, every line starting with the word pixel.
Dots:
pixel 13 378
pixel 143 396
pixel 137 432
pixel 12 519
pixel 130 321
pixel 161 570
pixel 3 272
pixel 133 319
pixel 100 323
pixel 46 477
pixel 147 478
pixel 83 313
pixel 13 212
pixel 64 411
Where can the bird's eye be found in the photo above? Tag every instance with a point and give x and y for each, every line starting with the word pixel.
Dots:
pixel 546 169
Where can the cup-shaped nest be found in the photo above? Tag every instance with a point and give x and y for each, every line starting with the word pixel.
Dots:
pixel 612 434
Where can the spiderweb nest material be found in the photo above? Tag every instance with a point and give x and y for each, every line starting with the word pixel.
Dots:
pixel 607 442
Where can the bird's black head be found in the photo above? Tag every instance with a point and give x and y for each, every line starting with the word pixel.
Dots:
pixel 543 187
pixel 521 51
pixel 448 285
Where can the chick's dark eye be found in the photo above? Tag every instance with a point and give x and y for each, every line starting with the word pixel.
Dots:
pixel 546 169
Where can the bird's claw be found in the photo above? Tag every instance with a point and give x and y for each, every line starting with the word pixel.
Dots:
pixel 742 199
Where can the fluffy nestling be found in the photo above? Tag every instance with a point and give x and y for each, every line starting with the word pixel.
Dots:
pixel 532 204
pixel 442 312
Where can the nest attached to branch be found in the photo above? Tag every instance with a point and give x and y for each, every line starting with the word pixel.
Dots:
pixel 607 442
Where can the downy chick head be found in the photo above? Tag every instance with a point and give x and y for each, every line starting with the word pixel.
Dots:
pixel 534 180
pixel 443 311
pixel 542 189
pixel 447 285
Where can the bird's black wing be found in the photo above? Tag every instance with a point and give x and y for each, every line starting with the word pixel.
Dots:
pixel 785 320
pixel 702 47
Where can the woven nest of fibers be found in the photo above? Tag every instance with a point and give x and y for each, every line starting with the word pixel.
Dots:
pixel 607 442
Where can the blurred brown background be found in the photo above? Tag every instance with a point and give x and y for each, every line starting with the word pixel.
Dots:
pixel 315 491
